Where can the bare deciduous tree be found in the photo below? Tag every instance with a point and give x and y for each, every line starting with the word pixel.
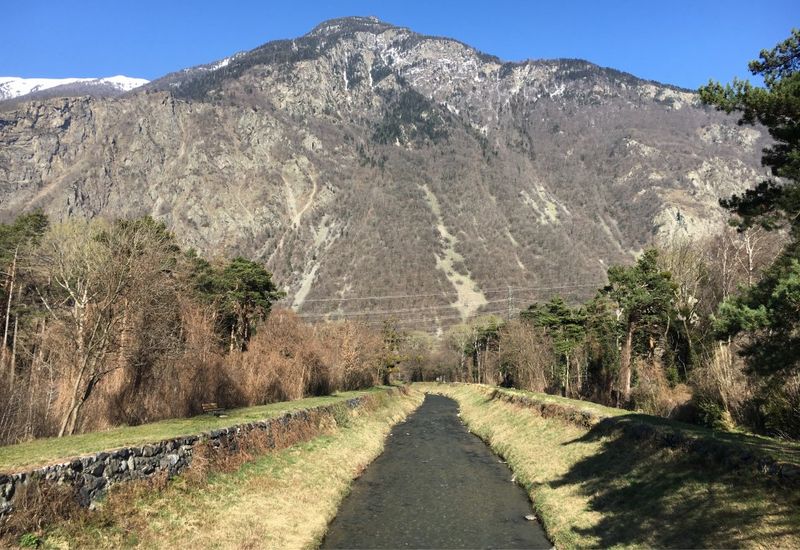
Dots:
pixel 90 276
pixel 527 352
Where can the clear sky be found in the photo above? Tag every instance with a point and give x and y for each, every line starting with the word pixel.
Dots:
pixel 678 42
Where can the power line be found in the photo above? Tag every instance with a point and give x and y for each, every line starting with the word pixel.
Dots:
pixel 424 320
pixel 444 294
pixel 335 314
pixel 454 305
pixel 431 322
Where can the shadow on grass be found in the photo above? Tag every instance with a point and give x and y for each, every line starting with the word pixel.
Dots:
pixel 656 495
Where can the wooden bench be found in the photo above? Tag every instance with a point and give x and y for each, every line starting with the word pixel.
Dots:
pixel 213 408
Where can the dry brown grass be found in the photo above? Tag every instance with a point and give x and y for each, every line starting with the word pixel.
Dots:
pixel 36 506
pixel 282 499
pixel 654 395
pixel 208 460
pixel 288 359
pixel 596 489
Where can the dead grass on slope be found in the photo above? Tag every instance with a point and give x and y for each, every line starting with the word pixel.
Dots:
pixel 594 488
pixel 283 499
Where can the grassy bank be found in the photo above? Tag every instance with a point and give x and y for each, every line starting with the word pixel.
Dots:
pixel 599 488
pixel 283 499
pixel 41 452
pixel 737 442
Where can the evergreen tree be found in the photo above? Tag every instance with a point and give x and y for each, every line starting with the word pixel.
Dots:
pixel 242 292
pixel 603 336
pixel 777 107
pixel 247 292
pixel 769 311
pixel 567 327
pixel 644 296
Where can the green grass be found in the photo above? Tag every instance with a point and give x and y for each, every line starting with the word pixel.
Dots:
pixel 595 488
pixel 41 452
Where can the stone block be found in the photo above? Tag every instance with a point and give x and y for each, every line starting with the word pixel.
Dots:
pixel 96 469
pixel 149 450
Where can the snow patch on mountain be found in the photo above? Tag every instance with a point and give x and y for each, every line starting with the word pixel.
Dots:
pixel 124 83
pixel 14 86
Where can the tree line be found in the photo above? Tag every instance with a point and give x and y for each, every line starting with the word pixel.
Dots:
pixel 652 339
pixel 110 322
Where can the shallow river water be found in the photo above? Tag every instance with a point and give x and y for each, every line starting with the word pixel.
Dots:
pixel 435 486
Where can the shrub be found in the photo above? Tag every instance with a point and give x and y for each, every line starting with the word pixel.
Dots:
pixel 781 408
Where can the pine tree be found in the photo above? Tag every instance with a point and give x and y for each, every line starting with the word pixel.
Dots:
pixel 769 312
pixel 567 327
pixel 644 296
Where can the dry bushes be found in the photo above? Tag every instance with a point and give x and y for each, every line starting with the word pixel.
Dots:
pixel 38 504
pixel 277 362
pixel 354 353
pixel 722 389
pixel 727 395
pixel 104 332
pixel 117 332
pixel 653 393
pixel 172 382
pixel 527 353
pixel 288 359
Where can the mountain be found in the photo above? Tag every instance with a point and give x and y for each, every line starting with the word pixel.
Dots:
pixel 365 160
pixel 12 87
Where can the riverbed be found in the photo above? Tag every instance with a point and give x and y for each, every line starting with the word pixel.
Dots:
pixel 435 486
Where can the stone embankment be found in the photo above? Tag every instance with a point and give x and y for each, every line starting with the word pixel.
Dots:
pixel 91 475
pixel 664 434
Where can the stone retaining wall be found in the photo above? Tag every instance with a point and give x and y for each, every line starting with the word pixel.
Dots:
pixel 91 475
pixel 725 453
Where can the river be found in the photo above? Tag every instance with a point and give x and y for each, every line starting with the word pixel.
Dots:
pixel 435 486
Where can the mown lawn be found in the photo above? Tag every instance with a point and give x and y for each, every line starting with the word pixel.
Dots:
pixel 594 488
pixel 41 452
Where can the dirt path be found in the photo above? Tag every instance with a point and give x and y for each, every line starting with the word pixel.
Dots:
pixel 435 486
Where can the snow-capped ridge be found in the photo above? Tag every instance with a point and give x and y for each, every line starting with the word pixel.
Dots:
pixel 13 86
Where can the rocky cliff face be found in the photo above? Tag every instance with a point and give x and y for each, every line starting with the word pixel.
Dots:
pixel 363 159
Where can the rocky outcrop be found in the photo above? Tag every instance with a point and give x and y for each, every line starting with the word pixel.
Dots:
pixel 322 157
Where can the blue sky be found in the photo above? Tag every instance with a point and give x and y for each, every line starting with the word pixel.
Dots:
pixel 678 42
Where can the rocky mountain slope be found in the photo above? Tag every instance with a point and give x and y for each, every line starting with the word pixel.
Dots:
pixel 365 160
